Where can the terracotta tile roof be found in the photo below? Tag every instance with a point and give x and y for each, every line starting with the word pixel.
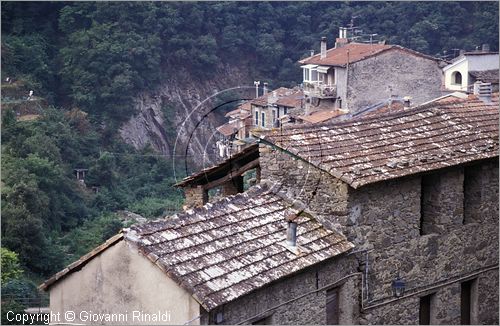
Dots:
pixel 228 128
pixel 486 76
pixel 227 249
pixel 285 97
pixel 321 116
pixel 239 111
pixel 389 146
pixel 354 52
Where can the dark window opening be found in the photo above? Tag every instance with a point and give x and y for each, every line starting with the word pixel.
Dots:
pixel 429 203
pixel 425 310
pixel 472 194
pixel 467 302
pixel 256 118
pixel 263 119
pixel 268 320
pixel 457 78
pixel 332 306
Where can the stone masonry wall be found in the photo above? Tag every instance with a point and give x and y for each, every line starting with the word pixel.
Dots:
pixel 383 220
pixel 309 308
pixel 394 72
pixel 387 222
pixel 195 196
pixel 307 185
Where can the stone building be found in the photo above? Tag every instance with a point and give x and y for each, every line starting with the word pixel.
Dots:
pixel 391 219
pixel 355 75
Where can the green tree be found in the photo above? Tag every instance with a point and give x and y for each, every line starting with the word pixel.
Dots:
pixel 11 269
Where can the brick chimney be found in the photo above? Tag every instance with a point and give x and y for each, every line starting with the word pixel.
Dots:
pixel 323 47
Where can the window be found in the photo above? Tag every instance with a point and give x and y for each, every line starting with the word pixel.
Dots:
pixel 314 75
pixel 257 118
pixel 429 203
pixel 425 311
pixel 456 78
pixel 285 111
pixel 263 119
pixel 306 74
pixel 472 194
pixel 274 116
pixel 268 320
pixel 468 302
pixel 332 306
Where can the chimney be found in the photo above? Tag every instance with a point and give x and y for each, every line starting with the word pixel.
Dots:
pixel 486 48
pixel 291 234
pixel 256 83
pixel 483 91
pixel 312 53
pixel 461 52
pixel 265 88
pixel 406 102
pixel 339 42
pixel 323 47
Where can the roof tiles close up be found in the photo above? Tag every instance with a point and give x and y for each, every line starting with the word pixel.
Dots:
pixel 354 52
pixel 232 247
pixel 370 150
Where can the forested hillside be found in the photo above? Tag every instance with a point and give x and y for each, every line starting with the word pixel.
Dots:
pixel 90 60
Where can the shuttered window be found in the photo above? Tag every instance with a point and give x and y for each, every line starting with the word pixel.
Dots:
pixel 332 306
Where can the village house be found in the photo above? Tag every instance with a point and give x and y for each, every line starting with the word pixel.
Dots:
pixel 470 67
pixel 391 219
pixel 234 135
pixel 354 75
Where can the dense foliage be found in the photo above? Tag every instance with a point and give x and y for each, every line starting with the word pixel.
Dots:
pixel 98 55
pixel 48 216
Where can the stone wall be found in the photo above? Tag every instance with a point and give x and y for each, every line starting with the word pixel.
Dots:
pixel 394 72
pixel 306 185
pixel 384 221
pixel 298 299
pixel 195 196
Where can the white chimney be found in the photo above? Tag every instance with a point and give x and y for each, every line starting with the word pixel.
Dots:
pixel 256 83
pixel 323 47
pixel 265 88
pixel 483 91
pixel 406 102
pixel 486 48
pixel 312 53
pixel 291 234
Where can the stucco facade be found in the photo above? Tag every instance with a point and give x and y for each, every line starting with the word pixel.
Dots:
pixel 465 63
pixel 122 285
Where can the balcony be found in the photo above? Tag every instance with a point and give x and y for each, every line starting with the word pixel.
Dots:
pixel 320 90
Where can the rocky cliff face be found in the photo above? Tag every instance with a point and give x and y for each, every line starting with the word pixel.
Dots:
pixel 180 116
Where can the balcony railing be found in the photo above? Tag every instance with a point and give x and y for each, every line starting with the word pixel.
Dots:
pixel 320 89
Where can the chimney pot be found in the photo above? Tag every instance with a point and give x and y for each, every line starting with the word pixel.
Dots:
pixel 486 48
pixel 265 88
pixel 291 234
pixel 323 47
pixel 312 53
pixel 406 102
